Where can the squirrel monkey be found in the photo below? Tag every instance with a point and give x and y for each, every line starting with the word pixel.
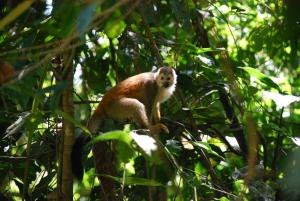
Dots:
pixel 136 98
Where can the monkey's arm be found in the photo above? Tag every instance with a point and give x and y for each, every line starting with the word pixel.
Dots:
pixel 155 113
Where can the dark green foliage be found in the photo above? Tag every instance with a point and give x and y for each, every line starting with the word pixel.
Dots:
pixel 208 116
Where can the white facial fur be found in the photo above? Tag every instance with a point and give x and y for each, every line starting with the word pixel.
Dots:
pixel 166 80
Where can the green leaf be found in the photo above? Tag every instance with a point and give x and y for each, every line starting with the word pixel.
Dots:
pixel 196 50
pixel 224 199
pixel 252 90
pixel 207 147
pixel 124 152
pixel 32 121
pixel 199 170
pixel 133 181
pixel 114 29
pixel 281 100
pixel 113 135
pixel 261 77
pixel 72 120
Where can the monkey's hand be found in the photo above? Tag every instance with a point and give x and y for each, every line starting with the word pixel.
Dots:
pixel 157 128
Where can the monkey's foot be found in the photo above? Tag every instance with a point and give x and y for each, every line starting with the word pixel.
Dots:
pixel 157 128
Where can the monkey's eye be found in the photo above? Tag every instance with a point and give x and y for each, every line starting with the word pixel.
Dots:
pixel 168 78
pixel 162 78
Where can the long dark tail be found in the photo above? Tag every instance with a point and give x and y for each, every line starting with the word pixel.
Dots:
pixel 77 156
pixel 77 153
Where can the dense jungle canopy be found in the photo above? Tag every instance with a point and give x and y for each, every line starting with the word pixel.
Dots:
pixel 234 118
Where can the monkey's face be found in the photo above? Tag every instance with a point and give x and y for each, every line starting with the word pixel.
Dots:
pixel 166 77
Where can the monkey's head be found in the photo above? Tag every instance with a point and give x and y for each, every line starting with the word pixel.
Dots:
pixel 166 77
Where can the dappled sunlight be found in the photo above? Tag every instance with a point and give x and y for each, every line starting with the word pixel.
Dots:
pixel 281 100
pixel 145 142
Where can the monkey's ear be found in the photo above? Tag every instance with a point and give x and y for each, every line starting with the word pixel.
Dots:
pixel 7 71
pixel 154 69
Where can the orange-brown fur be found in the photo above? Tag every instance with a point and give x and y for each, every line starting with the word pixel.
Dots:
pixel 130 88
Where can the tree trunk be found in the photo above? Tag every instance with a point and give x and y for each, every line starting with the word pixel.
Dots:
pixel 68 128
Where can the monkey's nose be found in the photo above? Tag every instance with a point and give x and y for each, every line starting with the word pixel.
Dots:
pixel 166 84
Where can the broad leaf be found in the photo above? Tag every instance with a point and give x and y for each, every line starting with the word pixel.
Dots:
pixel 145 142
pixel 113 135
pixel 207 148
pixel 72 120
pixel 281 100
pixel 261 77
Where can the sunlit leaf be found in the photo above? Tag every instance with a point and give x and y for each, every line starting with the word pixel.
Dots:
pixel 296 140
pixel 206 147
pixel 17 125
pixel 197 50
pixel 281 100
pixel 233 142
pixel 145 142
pixel 199 170
pixel 114 29
pixel 224 199
pixel 261 77
pixel 48 38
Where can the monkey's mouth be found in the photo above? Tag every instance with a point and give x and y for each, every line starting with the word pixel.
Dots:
pixel 166 85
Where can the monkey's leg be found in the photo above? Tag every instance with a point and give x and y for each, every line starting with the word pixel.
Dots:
pixel 130 108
